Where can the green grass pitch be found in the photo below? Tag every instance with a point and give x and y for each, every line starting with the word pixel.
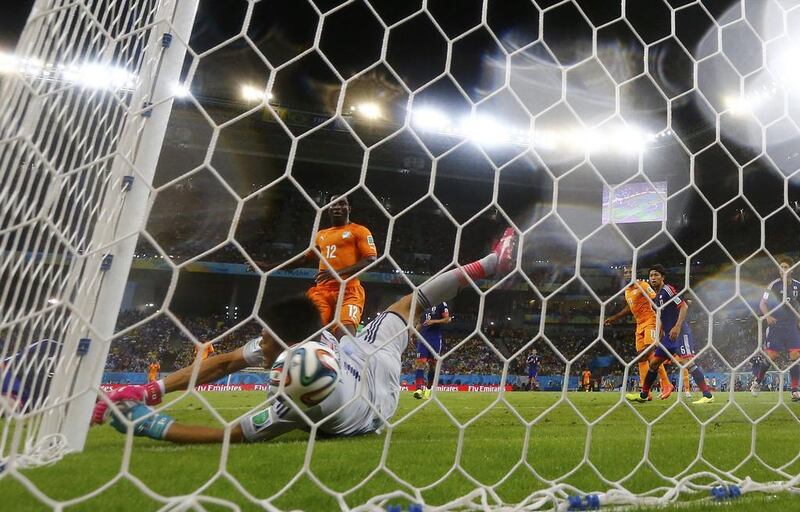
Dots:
pixel 423 449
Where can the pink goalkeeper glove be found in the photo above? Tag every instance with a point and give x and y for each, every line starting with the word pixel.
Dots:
pixel 149 394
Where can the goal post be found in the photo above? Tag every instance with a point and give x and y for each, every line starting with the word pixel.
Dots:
pixel 136 56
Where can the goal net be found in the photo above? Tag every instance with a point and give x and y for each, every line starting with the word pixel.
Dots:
pixel 87 95
pixel 156 156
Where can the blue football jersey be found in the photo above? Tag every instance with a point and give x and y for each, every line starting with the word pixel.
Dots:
pixel 669 303
pixel 775 295
pixel 533 360
pixel 434 313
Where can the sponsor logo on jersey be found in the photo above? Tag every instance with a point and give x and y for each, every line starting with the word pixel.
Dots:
pixel 370 240
pixel 346 234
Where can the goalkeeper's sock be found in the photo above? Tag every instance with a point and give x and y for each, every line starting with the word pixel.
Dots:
pixel 794 375
pixel 687 386
pixel 153 392
pixel 431 373
pixel 419 378
pixel 446 286
pixel 649 379
pixel 700 380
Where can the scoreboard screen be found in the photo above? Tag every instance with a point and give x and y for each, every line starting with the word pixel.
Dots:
pixel 635 202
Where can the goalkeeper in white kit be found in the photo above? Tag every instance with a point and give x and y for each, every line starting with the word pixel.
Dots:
pixel 365 395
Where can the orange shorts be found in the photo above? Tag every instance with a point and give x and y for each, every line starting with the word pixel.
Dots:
pixel 326 296
pixel 645 336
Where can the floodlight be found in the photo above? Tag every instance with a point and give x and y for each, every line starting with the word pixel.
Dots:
pixel 369 110
pixel 180 91
pixel 484 130
pixel 431 119
pixel 253 94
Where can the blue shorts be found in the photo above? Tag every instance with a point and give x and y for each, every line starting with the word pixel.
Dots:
pixel 681 347
pixel 435 343
pixel 533 371
pixel 782 337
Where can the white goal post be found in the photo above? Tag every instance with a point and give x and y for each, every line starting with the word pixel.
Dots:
pixel 83 119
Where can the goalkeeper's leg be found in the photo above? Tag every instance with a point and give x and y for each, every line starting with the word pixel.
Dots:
pixel 446 286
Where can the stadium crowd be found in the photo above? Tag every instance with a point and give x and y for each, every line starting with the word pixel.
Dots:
pixel 160 339
pixel 413 249
pixel 467 351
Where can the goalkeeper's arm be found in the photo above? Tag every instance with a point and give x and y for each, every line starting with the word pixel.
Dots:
pixel 211 369
pixel 261 425
pixel 148 423
pixel 257 352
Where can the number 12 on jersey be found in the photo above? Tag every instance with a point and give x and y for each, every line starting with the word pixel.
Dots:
pixel 330 252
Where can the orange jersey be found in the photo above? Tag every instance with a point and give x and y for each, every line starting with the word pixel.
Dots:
pixel 344 246
pixel 586 377
pixel 206 350
pixel 638 302
pixel 152 371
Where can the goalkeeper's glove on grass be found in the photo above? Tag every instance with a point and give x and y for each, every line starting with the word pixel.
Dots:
pixel 145 423
pixel 149 394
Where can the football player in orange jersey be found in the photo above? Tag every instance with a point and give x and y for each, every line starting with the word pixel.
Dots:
pixel 346 248
pixel 638 302
pixel 586 380
pixel 204 350
pixel 152 371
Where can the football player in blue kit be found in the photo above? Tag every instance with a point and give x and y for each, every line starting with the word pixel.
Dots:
pixel 533 362
pixel 676 337
pixel 779 305
pixel 429 348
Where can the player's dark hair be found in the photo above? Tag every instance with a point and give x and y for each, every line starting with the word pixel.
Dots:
pixel 658 268
pixel 336 197
pixel 292 319
pixel 785 259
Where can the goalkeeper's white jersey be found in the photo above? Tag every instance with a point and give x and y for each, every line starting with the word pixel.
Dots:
pixel 365 396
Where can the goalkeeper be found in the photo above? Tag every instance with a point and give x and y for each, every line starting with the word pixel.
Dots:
pixel 368 388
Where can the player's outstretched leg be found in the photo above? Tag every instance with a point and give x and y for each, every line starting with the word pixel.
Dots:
pixel 444 287
pixel 496 264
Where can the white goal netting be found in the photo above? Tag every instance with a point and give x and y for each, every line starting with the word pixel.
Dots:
pixel 157 155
